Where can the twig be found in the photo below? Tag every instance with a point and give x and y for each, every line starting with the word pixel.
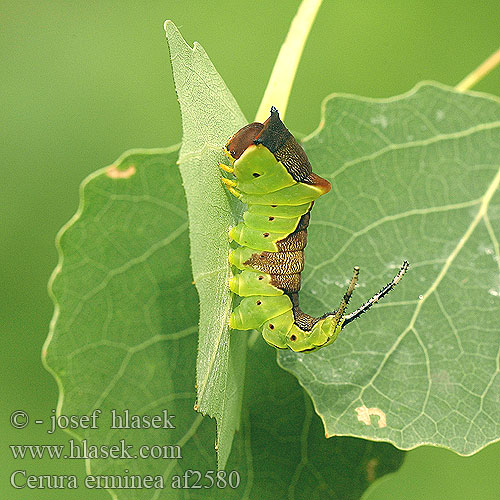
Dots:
pixel 480 72
pixel 281 81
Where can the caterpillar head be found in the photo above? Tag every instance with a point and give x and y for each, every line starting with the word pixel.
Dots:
pixel 240 141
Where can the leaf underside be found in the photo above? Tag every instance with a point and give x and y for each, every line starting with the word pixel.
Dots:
pixel 124 337
pixel 210 115
pixel 414 177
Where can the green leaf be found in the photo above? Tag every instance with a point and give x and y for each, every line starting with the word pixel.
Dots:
pixel 414 177
pixel 210 115
pixel 283 448
pixel 123 337
pixel 126 309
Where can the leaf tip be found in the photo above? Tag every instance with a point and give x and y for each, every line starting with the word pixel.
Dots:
pixel 169 26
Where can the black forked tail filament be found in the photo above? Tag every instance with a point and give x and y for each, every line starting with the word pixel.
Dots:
pixel 387 288
pixel 345 299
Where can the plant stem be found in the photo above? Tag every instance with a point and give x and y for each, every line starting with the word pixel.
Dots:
pixel 281 81
pixel 480 72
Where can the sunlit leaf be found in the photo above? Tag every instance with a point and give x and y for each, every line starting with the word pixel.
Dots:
pixel 210 115
pixel 414 177
pixel 124 338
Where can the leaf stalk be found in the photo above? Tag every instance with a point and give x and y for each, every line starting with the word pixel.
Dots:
pixel 480 72
pixel 280 84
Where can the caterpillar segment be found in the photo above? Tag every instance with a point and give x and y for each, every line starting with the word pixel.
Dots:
pixel 273 176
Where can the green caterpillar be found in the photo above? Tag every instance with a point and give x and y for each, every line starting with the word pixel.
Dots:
pixel 274 178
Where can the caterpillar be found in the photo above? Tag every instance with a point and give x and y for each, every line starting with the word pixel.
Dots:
pixel 273 176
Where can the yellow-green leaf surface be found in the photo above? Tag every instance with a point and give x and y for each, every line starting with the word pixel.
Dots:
pixel 121 328
pixel 124 338
pixel 210 115
pixel 414 177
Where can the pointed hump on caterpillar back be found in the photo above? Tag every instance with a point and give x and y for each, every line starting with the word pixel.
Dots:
pixel 274 136
pixel 278 139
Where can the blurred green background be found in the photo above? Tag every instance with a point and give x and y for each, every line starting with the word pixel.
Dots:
pixel 84 81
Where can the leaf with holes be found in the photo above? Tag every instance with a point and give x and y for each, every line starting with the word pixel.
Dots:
pixel 414 177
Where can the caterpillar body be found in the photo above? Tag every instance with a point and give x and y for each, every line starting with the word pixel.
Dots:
pixel 273 176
